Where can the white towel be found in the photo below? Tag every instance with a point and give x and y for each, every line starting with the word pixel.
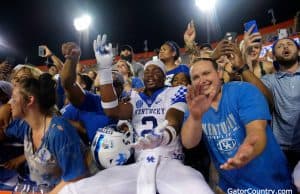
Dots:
pixel 146 180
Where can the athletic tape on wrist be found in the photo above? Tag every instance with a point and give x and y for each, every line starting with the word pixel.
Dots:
pixel 105 76
pixel 169 135
pixel 111 104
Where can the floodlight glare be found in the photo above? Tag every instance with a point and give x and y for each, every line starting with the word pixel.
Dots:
pixel 82 23
pixel 205 5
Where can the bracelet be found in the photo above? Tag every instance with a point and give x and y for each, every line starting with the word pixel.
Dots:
pixel 242 69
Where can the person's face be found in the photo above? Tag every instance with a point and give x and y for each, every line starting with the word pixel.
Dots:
pixel 166 52
pixel 122 67
pixel 53 70
pixel 286 50
pixel 17 103
pixel 92 75
pixel 180 79
pixel 254 52
pixel 125 52
pixel 205 75
pixel 153 77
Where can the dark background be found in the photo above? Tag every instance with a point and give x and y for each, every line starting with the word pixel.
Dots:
pixel 26 24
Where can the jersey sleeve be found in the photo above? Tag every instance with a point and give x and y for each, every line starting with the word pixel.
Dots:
pixel 178 100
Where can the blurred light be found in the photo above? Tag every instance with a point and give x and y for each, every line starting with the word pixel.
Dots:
pixel 206 5
pixel 82 23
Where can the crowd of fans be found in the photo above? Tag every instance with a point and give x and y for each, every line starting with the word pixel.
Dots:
pixel 227 120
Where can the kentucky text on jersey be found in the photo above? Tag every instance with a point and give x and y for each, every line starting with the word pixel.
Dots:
pixel 147 111
pixel 223 129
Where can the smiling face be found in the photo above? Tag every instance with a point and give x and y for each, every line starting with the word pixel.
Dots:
pixel 204 73
pixel 180 79
pixel 153 77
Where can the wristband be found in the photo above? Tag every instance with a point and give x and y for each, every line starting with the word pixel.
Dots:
pixel 169 135
pixel 242 69
pixel 109 105
pixel 105 76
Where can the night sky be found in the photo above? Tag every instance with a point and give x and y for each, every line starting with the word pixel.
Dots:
pixel 26 24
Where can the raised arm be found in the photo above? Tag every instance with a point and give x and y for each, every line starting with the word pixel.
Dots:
pixel 189 37
pixel 68 74
pixel 231 50
pixel 109 99
pixel 57 62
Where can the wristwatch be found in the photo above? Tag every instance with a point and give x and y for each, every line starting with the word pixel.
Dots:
pixel 242 69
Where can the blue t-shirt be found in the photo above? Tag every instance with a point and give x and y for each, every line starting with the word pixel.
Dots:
pixel 9 149
pixel 90 113
pixel 225 131
pixel 170 74
pixel 60 155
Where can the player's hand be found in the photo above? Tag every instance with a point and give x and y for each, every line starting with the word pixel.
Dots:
pixel 103 52
pixel 243 156
pixel 151 140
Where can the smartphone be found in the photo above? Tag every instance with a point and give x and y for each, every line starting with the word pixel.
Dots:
pixel 282 33
pixel 230 36
pixel 248 25
pixel 42 51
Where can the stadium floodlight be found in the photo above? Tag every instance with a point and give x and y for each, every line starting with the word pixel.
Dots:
pixel 206 5
pixel 82 23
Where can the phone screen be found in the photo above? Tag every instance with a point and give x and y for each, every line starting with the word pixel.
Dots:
pixel 42 51
pixel 248 25
pixel 230 36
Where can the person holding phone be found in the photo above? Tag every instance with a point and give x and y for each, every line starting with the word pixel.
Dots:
pixel 251 48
